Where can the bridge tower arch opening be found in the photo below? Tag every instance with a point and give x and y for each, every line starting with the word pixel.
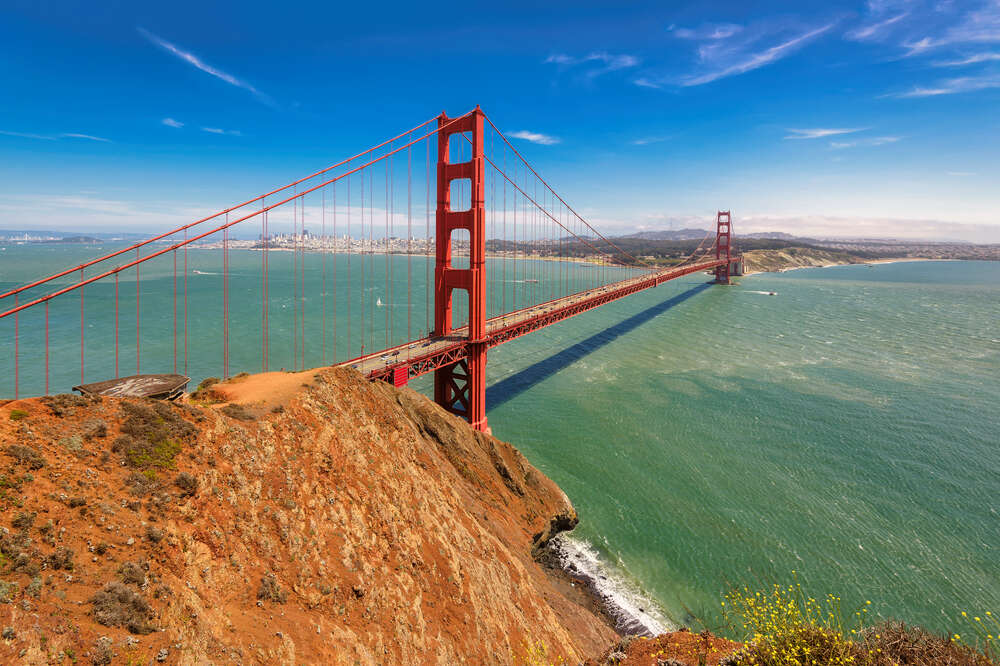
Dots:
pixel 461 387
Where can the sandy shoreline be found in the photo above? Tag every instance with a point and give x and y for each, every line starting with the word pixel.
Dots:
pixel 859 263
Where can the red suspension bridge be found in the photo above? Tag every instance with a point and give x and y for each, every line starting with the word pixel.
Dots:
pixel 501 254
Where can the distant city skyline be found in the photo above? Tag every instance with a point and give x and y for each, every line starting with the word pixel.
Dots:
pixel 850 119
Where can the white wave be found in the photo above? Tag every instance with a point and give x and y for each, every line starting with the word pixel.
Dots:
pixel 634 611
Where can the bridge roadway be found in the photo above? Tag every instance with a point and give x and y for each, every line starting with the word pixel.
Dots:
pixel 398 365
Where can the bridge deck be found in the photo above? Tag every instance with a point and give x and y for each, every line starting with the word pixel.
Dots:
pixel 427 354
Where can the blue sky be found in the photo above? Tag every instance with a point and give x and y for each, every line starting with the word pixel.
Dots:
pixel 857 119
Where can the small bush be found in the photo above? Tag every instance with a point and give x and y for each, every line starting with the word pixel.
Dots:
pixel 95 429
pixel 8 591
pixel 25 455
pixel 132 573
pixel 115 605
pixel 152 435
pixel 23 520
pixel 34 588
pixel 187 483
pixel 62 558
pixel 894 643
pixel 238 412
pixel 140 484
pixel 205 394
pixel 65 403
pixel 17 414
pixel 269 590
pixel 101 548
pixel 103 652
pixel 154 534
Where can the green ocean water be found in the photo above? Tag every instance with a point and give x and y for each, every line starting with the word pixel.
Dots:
pixel 846 428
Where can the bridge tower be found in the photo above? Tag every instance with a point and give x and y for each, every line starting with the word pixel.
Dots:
pixel 722 222
pixel 461 387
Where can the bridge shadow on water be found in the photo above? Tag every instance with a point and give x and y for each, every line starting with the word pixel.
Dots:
pixel 511 387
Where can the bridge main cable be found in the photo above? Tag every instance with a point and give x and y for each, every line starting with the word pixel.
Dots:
pixel 261 197
pixel 204 234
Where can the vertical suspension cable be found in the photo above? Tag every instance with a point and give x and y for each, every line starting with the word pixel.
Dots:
pixel 334 250
pixel 263 289
pixel 174 253
pixel 364 288
pixel 185 302
pixel 116 325
pixel 46 343
pixel 371 256
pixel 225 301
pixel 323 249
pixel 295 282
pixel 409 247
pixel 388 267
pixel 81 325
pixel 17 317
pixel 302 282
pixel 136 313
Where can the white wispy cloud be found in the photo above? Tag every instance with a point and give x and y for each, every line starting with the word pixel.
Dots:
pixel 611 62
pixel 219 130
pixel 874 30
pixel 821 132
pixel 645 141
pixel 170 122
pixel 962 84
pixel 874 141
pixel 26 135
pixel 977 26
pixel 194 60
pixel 969 60
pixel 708 31
pixel 643 82
pixel 535 137
pixel 742 62
pixel 55 137
pixel 73 135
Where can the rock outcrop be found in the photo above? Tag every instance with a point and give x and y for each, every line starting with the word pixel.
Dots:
pixel 326 520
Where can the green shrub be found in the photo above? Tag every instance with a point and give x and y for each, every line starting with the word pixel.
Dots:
pixel 17 414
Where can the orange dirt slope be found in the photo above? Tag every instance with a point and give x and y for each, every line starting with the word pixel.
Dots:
pixel 348 522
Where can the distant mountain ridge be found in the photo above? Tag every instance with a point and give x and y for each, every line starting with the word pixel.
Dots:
pixel 670 234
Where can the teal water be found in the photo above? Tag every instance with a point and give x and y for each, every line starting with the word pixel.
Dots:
pixel 847 428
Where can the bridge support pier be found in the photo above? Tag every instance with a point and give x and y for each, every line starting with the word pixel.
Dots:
pixel 461 387
pixel 722 223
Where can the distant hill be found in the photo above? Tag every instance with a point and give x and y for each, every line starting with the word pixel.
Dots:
pixel 779 235
pixel 670 234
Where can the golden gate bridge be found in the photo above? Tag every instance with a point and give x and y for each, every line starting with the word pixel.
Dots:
pixel 510 256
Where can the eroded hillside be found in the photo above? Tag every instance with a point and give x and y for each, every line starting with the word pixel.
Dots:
pixel 328 520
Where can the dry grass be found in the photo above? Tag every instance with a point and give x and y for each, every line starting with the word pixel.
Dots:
pixel 269 590
pixel 152 435
pixel 25 455
pixel 115 605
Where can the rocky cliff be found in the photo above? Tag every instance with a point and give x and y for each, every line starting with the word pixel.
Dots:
pixel 290 517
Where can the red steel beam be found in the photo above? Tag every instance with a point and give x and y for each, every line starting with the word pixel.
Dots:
pixel 447 356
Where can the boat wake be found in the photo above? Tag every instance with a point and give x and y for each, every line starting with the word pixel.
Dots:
pixel 633 611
